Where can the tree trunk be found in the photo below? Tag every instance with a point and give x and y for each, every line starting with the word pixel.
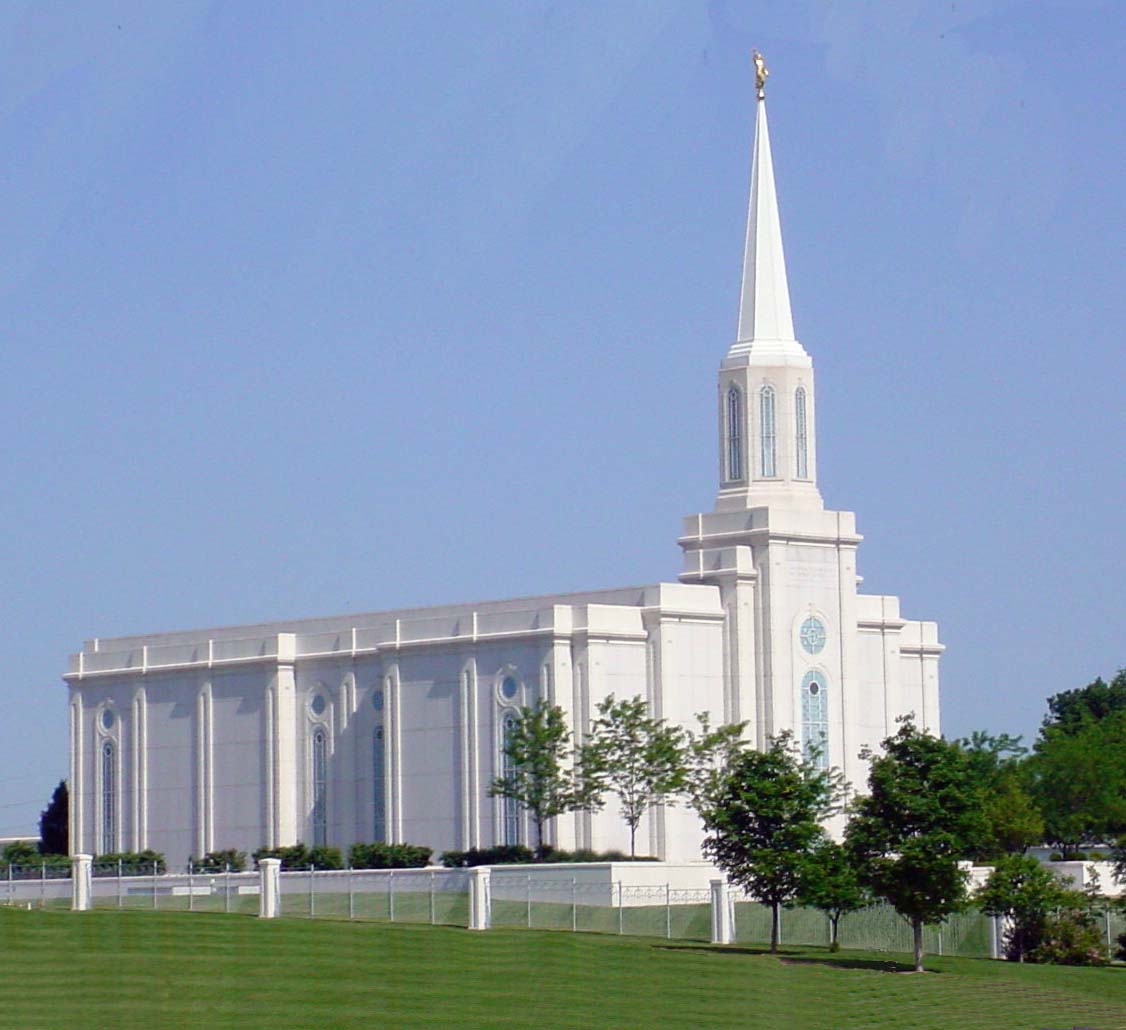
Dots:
pixel 539 838
pixel 632 840
pixel 917 927
pixel 774 913
pixel 833 921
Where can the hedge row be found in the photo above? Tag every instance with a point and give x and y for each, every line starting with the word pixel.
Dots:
pixel 517 854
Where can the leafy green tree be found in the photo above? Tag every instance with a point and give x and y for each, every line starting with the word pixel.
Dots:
pixel 1072 710
pixel 1000 767
pixel 637 758
pixel 922 813
pixel 708 754
pixel 764 821
pixel 543 777
pixel 830 882
pixel 1026 893
pixel 1077 777
pixel 54 823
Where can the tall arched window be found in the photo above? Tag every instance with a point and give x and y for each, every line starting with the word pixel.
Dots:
pixel 109 800
pixel 510 813
pixel 734 433
pixel 801 435
pixel 379 785
pixel 768 431
pixel 815 719
pixel 320 787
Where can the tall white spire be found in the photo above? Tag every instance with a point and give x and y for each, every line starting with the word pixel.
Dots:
pixel 764 310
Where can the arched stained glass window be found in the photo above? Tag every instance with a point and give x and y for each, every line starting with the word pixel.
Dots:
pixel 815 719
pixel 510 811
pixel 734 433
pixel 108 843
pixel 320 788
pixel 801 434
pixel 379 785
pixel 768 431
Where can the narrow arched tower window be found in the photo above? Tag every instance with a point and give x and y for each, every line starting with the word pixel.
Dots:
pixel 320 788
pixel 734 433
pixel 510 810
pixel 801 435
pixel 109 800
pixel 769 437
pixel 815 719
pixel 379 785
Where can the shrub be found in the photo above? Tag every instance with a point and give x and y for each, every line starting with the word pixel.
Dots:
pixel 130 863
pixel 219 862
pixel 388 856
pixel 301 856
pixel 501 854
pixel 1071 937
pixel 517 854
pixel 22 861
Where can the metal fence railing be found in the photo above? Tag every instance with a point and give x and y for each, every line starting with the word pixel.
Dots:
pixel 435 896
pixel 513 897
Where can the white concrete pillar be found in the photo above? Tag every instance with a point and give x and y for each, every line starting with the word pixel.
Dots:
pixel 723 913
pixel 269 890
pixel 480 914
pixel 80 882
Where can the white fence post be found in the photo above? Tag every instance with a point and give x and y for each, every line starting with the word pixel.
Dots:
pixel 480 916
pixel 723 929
pixel 269 890
pixel 80 883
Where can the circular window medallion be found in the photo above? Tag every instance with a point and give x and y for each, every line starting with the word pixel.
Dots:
pixel 812 635
pixel 814 688
pixel 508 689
pixel 107 719
pixel 318 704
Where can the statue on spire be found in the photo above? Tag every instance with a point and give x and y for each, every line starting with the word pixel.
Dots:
pixel 761 72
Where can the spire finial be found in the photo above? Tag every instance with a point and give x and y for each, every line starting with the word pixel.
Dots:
pixel 761 73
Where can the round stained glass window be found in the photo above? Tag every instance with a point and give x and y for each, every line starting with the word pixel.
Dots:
pixel 318 704
pixel 377 699
pixel 508 688
pixel 814 688
pixel 812 635
pixel 107 719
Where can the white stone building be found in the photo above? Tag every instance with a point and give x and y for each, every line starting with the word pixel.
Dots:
pixel 390 726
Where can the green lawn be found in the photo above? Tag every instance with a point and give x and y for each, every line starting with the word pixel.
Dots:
pixel 111 969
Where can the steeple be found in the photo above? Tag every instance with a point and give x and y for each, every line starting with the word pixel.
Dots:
pixel 766 405
pixel 766 326
pixel 764 309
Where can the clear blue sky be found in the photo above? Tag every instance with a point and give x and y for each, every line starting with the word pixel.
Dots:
pixel 317 308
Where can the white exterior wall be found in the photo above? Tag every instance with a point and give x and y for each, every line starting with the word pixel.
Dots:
pixel 227 726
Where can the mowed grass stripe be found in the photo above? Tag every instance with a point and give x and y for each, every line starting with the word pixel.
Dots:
pixel 179 969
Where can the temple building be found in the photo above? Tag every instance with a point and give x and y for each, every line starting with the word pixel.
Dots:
pixel 390 725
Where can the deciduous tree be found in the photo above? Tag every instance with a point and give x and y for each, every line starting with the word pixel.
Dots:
pixel 1025 893
pixel 922 813
pixel 830 882
pixel 542 777
pixel 765 820
pixel 635 757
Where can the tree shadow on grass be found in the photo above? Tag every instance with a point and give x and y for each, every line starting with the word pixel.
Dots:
pixel 798 958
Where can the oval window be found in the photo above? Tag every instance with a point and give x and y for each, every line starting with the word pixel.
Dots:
pixel 107 719
pixel 319 704
pixel 508 688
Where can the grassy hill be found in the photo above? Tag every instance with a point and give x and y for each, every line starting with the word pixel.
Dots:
pixel 125 969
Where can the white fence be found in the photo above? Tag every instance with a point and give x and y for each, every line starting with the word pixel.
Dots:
pixel 487 897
